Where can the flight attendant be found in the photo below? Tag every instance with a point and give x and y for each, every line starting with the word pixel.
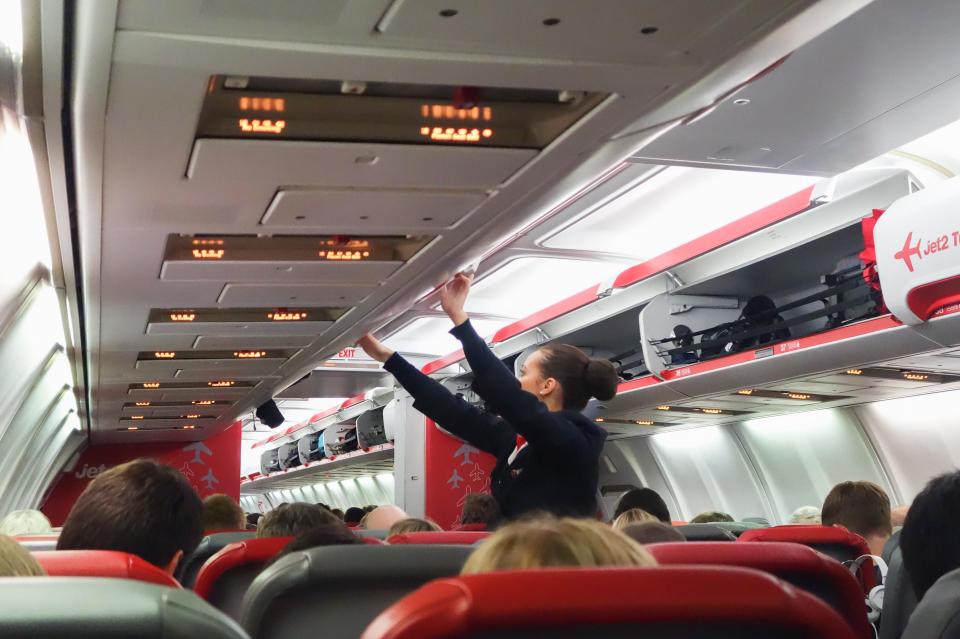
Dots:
pixel 547 451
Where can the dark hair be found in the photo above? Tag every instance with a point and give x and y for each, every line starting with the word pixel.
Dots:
pixel 711 517
pixel 253 519
pixel 293 519
pixel 653 532
pixel 354 515
pixel 929 541
pixel 140 507
pixel 331 534
pixel 481 508
pixel 579 376
pixel 861 506
pixel 411 525
pixel 645 499
pixel 222 513
pixel 337 513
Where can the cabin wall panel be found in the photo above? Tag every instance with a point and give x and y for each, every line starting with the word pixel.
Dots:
pixel 917 438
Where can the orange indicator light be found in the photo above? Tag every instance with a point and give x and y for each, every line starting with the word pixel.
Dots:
pixel 248 103
pixel 916 377
pixel 249 354
pixel 712 411
pixel 143 403
pixel 745 391
pixel 183 317
pixel 207 242
pixel 136 417
pixel 208 254
pixel 165 354
pixel 132 428
pixel 644 422
pixel 798 396
pixel 854 371
pixel 451 134
pixel 220 384
pixel 663 408
pixel 151 384
pixel 192 416
pixel 262 126
pixel 286 317
pixel 202 402
pixel 189 427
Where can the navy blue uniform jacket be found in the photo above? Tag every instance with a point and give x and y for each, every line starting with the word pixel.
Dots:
pixel 558 470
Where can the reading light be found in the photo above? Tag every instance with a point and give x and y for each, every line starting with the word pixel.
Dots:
pixel 798 396
pixel 220 384
pixel 164 354
pixel 663 408
pixel 151 384
pixel 183 317
pixel 745 391
pixel 143 403
pixel 644 422
pixel 916 377
pixel 854 371
pixel 282 316
pixel 249 354
pixel 711 411
pixel 201 402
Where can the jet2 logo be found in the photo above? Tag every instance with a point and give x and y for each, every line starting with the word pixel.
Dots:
pixel 939 245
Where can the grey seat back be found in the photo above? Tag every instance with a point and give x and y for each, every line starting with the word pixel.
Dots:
pixel 937 616
pixel 705 532
pixel 899 598
pixel 35 545
pixel 736 527
pixel 340 589
pixel 209 546
pixel 90 608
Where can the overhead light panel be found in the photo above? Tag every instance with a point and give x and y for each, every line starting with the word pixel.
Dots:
pixel 294 248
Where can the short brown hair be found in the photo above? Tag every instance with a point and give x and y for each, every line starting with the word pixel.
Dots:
pixel 141 507
pixel 860 506
pixel 220 512
pixel 290 520
pixel 481 508
pixel 548 542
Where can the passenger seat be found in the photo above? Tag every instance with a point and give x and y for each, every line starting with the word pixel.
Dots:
pixel 224 578
pixel 705 532
pixel 668 602
pixel 457 537
pixel 102 563
pixel 209 546
pixel 899 598
pixel 335 591
pixel 90 608
pixel 938 614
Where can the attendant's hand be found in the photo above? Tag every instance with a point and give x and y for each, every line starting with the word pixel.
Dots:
pixel 374 348
pixel 454 295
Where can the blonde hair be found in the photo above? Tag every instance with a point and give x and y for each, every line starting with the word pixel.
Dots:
pixel 556 543
pixel 16 561
pixel 413 525
pixel 25 522
pixel 633 516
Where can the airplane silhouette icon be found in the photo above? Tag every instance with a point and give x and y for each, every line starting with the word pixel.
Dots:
pixel 210 479
pixel 907 251
pixel 466 450
pixel 199 450
pixel 455 479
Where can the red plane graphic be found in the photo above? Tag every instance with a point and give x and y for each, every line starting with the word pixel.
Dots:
pixel 907 251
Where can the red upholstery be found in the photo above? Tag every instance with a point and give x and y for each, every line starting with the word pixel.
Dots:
pixel 470 528
pixel 459 537
pixel 537 601
pixel 234 555
pixel 102 563
pixel 816 573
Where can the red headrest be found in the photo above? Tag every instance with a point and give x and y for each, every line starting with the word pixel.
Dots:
pixel 809 535
pixel 470 528
pixel 102 563
pixel 236 554
pixel 459 537
pixel 538 600
pixel 783 560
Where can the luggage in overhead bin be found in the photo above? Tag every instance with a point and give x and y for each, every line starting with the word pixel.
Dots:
pixel 270 461
pixel 310 448
pixel 760 312
pixel 288 456
pixel 370 429
pixel 340 439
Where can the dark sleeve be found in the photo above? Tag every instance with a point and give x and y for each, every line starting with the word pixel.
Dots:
pixel 498 387
pixel 484 430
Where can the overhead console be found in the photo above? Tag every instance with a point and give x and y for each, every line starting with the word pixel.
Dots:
pixel 385 112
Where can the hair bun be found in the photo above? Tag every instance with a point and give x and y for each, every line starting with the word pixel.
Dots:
pixel 601 379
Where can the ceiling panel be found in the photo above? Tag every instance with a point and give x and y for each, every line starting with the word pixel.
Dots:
pixel 238 329
pixel 215 342
pixel 353 165
pixel 278 272
pixel 358 210
pixel 212 367
pixel 321 295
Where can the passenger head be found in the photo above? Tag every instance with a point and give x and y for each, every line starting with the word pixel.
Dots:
pixel 653 532
pixel 645 499
pixel 929 541
pixel 481 508
pixel 898 515
pixel 337 513
pixel 140 507
pixel 383 517
pixel 331 534
pixel 633 516
pixel 222 513
pixel 25 522
pixel 290 520
pixel 862 507
pixel 563 375
pixel 354 515
pixel 806 515
pixel 711 517
pixel 16 561
pixel 412 525
pixel 555 543
pixel 252 520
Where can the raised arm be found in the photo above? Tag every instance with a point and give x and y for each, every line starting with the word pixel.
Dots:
pixel 484 430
